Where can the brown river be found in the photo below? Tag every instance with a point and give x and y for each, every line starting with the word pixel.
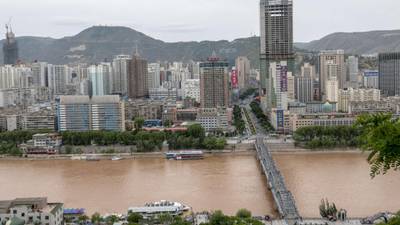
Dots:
pixel 218 182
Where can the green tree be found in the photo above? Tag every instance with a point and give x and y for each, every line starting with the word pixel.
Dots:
pixel 393 221
pixel 110 220
pixel 82 219
pixel 380 136
pixel 96 218
pixel 243 213
pixel 139 122
pixel 134 218
pixel 196 131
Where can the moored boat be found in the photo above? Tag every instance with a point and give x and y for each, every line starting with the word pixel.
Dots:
pixel 185 155
pixel 161 207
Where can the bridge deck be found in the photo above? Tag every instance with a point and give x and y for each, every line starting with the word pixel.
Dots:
pixel 283 197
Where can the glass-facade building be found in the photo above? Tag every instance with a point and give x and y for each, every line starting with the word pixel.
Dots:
pixel 82 113
pixel 389 74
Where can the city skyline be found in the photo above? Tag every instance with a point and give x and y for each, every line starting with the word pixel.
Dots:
pixel 191 24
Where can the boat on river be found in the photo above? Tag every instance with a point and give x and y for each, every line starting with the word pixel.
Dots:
pixel 185 155
pixel 161 207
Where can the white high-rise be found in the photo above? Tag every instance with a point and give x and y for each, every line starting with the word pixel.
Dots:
pixel 154 75
pixel 329 60
pixel 39 74
pixel 99 76
pixel 58 76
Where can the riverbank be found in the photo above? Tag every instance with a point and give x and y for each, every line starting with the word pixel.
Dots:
pixel 123 156
pixel 228 152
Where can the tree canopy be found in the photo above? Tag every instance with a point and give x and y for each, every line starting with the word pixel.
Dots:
pixel 381 136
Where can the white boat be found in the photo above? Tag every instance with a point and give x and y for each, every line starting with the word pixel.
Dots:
pixel 161 207
pixel 116 158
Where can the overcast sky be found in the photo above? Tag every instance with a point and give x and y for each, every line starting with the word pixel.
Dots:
pixel 187 20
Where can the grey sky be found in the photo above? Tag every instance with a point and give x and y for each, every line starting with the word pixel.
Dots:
pixel 186 20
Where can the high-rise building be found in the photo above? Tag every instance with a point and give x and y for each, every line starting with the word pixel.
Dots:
pixel 276 20
pixel 10 47
pixel 82 113
pixel 154 75
pixel 214 83
pixel 304 89
pixel 57 78
pixel 308 70
pixel 120 71
pixel 389 74
pixel 39 74
pixel 138 78
pixel 243 71
pixel 352 72
pixel 15 77
pixel 280 86
pixel 332 90
pixel 328 61
pixel 99 76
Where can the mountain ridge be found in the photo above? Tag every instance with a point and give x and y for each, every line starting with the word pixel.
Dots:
pixel 99 43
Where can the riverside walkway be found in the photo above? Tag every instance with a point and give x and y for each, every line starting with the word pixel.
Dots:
pixel 284 199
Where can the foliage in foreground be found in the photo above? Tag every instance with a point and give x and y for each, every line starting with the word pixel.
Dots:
pixel 394 221
pixel 381 136
pixel 218 218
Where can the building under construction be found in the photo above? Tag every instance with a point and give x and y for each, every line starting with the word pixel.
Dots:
pixel 10 47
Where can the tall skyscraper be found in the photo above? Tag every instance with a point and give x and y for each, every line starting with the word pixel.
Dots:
pixel 328 61
pixel 10 47
pixel 243 71
pixel 120 70
pixel 276 20
pixel 389 74
pixel 352 72
pixel 138 78
pixel 214 83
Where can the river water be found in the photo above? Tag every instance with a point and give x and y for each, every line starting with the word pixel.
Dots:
pixel 218 182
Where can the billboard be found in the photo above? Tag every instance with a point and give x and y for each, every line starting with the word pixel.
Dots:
pixel 280 118
pixel 284 80
pixel 234 78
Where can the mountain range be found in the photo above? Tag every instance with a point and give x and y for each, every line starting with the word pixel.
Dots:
pixel 99 43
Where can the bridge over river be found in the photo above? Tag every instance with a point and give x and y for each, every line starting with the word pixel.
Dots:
pixel 284 199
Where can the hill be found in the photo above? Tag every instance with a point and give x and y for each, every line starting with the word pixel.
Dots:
pixel 99 43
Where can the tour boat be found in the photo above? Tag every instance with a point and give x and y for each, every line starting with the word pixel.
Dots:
pixel 161 207
pixel 185 155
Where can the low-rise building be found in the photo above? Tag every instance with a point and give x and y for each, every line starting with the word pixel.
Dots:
pixel 32 211
pixel 334 119
pixel 356 95
pixel 215 119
